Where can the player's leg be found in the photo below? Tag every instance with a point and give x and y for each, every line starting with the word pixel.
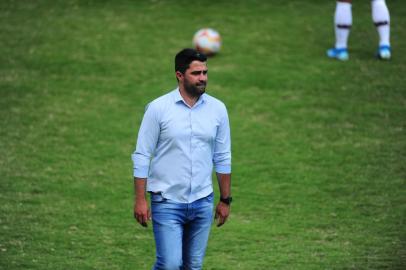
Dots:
pixel 381 19
pixel 168 219
pixel 342 27
pixel 196 233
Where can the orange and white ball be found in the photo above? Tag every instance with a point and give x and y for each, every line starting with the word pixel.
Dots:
pixel 207 41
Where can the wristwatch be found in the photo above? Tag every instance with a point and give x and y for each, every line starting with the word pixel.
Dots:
pixel 227 200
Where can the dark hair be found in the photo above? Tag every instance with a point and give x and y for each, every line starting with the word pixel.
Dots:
pixel 187 56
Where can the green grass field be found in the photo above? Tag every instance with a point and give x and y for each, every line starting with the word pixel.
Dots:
pixel 319 146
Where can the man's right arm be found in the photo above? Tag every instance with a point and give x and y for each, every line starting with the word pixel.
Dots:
pixel 141 211
pixel 146 143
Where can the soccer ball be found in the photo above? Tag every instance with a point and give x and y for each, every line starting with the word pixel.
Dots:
pixel 207 41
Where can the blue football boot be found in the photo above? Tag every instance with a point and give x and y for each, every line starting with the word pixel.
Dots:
pixel 384 52
pixel 340 54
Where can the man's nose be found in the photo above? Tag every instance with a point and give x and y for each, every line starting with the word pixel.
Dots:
pixel 202 77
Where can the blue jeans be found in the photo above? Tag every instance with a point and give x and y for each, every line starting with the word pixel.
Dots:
pixel 181 232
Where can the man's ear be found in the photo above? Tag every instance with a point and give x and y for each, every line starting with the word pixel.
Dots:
pixel 179 75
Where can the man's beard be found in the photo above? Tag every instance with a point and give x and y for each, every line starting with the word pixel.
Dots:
pixel 195 90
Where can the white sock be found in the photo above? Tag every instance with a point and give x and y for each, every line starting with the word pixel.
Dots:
pixel 380 16
pixel 342 24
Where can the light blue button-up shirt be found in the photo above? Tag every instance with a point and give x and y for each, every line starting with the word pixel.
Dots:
pixel 178 145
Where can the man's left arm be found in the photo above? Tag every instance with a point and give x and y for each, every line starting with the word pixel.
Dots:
pixel 223 207
pixel 222 164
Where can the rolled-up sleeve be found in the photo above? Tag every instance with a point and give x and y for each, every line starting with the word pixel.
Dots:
pixel 146 143
pixel 222 148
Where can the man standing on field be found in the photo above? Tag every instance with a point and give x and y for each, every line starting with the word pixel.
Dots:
pixel 183 135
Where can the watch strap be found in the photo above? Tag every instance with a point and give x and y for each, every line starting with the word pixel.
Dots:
pixel 226 200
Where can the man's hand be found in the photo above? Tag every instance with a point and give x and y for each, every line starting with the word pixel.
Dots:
pixel 223 209
pixel 222 213
pixel 141 211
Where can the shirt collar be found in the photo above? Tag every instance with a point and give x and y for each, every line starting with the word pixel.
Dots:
pixel 178 98
pixel 176 95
